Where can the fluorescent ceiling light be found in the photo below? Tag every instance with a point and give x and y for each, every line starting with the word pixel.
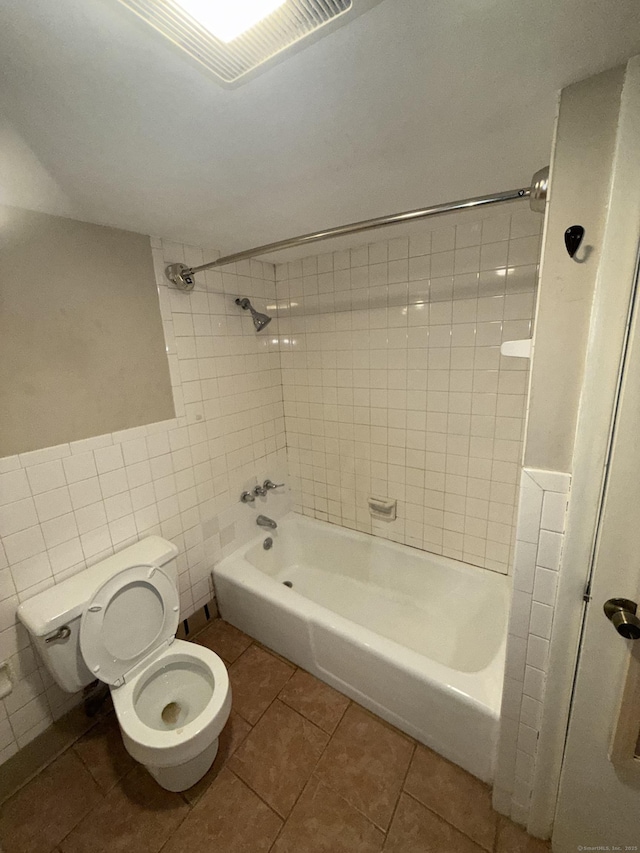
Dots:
pixel 233 39
pixel 228 19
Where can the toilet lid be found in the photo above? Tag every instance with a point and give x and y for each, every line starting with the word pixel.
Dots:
pixel 131 615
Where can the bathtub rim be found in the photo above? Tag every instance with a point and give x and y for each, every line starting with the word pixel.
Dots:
pixel 488 575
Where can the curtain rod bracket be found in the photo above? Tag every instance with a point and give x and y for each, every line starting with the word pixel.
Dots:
pixel 181 276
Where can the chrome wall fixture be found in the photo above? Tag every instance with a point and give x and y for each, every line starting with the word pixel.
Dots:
pixel 259 491
pixel 259 320
pixel 182 276
pixel 265 521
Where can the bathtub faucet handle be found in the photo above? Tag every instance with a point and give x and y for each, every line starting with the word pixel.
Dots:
pixel 247 497
pixel 268 485
pixel 259 491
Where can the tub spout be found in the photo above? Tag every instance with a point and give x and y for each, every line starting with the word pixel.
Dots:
pixel 263 521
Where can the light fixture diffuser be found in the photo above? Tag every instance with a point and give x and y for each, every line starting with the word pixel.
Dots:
pixel 228 19
pixel 234 38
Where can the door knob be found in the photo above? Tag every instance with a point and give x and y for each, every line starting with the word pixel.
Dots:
pixel 622 613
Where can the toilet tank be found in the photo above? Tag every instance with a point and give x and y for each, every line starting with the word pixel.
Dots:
pixel 62 606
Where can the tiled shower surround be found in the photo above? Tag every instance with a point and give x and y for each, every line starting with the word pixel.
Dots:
pixel 394 385
pixel 387 358
pixel 539 541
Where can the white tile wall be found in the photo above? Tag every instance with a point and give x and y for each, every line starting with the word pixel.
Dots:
pixel 540 533
pixel 394 384
pixel 62 508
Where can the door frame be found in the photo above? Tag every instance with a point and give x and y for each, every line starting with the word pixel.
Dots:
pixel 608 333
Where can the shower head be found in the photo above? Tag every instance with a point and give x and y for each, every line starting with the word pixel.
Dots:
pixel 259 320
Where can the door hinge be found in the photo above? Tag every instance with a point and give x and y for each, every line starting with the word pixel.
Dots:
pixel 587 592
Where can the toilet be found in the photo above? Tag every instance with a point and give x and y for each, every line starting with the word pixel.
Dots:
pixel 116 621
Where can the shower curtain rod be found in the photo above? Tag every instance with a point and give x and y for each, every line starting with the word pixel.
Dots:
pixel 182 276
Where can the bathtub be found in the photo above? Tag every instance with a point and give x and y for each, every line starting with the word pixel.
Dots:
pixel 416 638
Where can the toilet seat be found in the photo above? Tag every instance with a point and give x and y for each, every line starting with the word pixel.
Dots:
pixel 129 621
pixel 127 639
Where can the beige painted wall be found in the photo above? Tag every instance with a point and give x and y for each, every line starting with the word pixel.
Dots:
pixel 82 350
pixel 580 185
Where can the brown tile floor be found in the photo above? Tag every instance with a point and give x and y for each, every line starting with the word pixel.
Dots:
pixel 300 769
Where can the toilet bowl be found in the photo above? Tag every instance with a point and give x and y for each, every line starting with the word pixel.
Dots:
pixel 172 713
pixel 172 698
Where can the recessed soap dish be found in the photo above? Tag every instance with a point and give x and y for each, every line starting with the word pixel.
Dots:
pixel 384 508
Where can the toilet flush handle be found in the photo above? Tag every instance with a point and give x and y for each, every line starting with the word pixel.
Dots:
pixel 62 633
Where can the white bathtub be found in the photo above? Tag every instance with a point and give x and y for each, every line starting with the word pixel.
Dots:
pixel 416 638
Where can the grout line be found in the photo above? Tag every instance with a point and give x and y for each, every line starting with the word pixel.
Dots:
pixel 103 798
pixel 255 644
pixel 258 795
pixel 494 849
pixel 327 782
pixel 30 777
pixel 177 828
pixel 383 722
pixel 326 746
pixel 285 702
pixel 453 826
pixel 302 717
pixel 329 739
pixel 304 787
pixel 402 784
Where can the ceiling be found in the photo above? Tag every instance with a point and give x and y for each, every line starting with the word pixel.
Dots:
pixel 413 103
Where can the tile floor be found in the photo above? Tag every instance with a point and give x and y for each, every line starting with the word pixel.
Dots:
pixel 301 769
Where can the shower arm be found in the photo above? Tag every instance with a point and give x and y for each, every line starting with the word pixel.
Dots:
pixel 182 276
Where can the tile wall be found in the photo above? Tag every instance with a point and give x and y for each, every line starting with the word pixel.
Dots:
pixel 541 524
pixel 64 507
pixel 394 385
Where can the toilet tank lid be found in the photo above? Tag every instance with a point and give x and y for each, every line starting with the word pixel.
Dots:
pixel 49 610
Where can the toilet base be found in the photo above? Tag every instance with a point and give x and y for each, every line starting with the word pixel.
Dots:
pixel 183 776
